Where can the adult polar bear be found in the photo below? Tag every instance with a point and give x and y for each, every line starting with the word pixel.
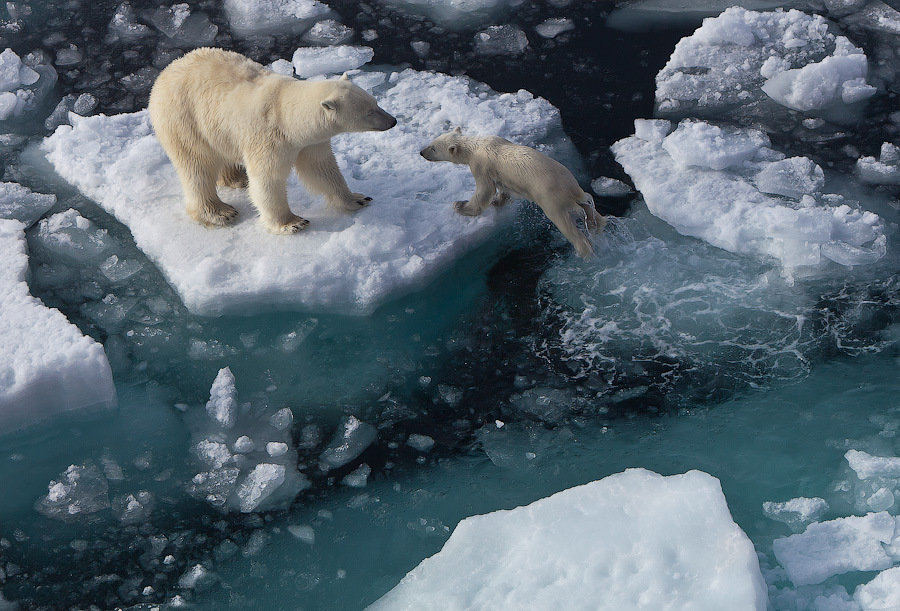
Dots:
pixel 502 168
pixel 217 113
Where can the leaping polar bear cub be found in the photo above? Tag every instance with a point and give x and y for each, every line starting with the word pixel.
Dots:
pixel 502 169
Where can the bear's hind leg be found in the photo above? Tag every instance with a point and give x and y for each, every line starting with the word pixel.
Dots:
pixel 561 217
pixel 234 177
pixel 593 220
pixel 201 200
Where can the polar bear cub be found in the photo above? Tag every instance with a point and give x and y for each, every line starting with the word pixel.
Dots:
pixel 224 118
pixel 502 169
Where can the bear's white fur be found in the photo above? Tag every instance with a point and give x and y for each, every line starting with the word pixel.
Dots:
pixel 222 117
pixel 502 169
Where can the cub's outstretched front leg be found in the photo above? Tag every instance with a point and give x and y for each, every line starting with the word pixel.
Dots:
pixel 318 170
pixel 483 197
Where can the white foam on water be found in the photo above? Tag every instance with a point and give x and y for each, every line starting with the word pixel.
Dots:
pixel 349 263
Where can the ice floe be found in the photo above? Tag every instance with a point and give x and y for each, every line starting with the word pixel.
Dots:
pixel 314 61
pixel 268 17
pixel 885 170
pixel 247 454
pixel 21 203
pixel 741 57
pixel 708 182
pixel 631 540
pixel 350 263
pixel 47 365
pixel 455 14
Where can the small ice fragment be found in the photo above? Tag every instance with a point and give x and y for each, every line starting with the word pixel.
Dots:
pixel 350 440
pixel 868 466
pixel 422 443
pixel 259 485
pixel 610 187
pixel 315 61
pixel 282 419
pixel 222 404
pixel 244 445
pixel 303 533
pixel 358 477
pixel 554 26
pixel 500 40
pixel 276 449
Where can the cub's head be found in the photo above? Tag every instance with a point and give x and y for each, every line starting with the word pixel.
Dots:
pixel 351 109
pixel 444 148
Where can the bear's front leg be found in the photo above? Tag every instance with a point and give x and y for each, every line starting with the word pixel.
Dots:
pixel 484 194
pixel 267 185
pixel 318 170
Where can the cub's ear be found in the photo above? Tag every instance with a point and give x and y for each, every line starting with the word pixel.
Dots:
pixel 344 77
pixel 451 149
pixel 458 130
pixel 329 105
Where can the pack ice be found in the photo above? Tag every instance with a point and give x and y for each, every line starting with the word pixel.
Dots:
pixel 726 186
pixel 402 240
pixel 634 540
pixel 741 57
pixel 46 366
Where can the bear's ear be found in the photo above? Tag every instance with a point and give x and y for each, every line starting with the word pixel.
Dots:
pixel 329 105
pixel 344 77
pixel 451 149
pixel 458 130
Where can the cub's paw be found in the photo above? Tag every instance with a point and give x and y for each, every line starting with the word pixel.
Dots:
pixel 466 209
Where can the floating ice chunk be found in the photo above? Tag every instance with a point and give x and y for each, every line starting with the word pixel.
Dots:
pixel 882 593
pixel 358 477
pixel 222 404
pixel 398 244
pixel 303 533
pixel 22 86
pixel 793 177
pixel 500 40
pixel 883 171
pixel 727 210
pixel 797 513
pixel 182 27
pixel 46 366
pixel 697 143
pixel 198 577
pixel 282 66
pixel 328 32
pixel 727 60
pixel 631 540
pixel 315 61
pixel 455 14
pixel 554 26
pixel 876 16
pixel 259 485
pixel 239 473
pixel 69 235
pixel 422 443
pixel 350 440
pixel 610 187
pixel 124 25
pixel 20 203
pixel 13 73
pixel 81 490
pixel 119 270
pixel 282 419
pixel 831 548
pixel 261 17
pixel 867 466
pixel 133 508
pixel 68 56
pixel 833 81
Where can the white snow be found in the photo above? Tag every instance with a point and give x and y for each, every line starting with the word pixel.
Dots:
pixel 266 17
pixel 631 540
pixel 260 474
pixel 350 263
pixel 681 185
pixel 315 61
pixel 824 549
pixel 46 365
pixel 740 56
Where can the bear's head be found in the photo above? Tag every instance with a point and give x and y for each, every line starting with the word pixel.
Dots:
pixel 351 109
pixel 445 147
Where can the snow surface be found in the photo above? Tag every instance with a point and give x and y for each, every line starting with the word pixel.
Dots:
pixel 351 263
pixel 46 366
pixel 700 179
pixel 741 56
pixel 634 540
pixel 266 17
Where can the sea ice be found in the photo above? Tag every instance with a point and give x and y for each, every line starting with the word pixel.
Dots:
pixel 22 86
pixel 700 180
pixel 81 490
pixel 631 540
pixel 328 32
pixel 867 466
pixel 70 236
pixel 47 366
pixel 350 263
pixel 793 177
pixel 739 57
pixel 266 17
pixel 316 61
pixel 261 472
pixel 797 513
pixel 824 549
pixel 882 593
pixel 553 27
pixel 350 440
pixel 882 171
pixel 455 14
pixel 610 187
pixel 20 203
pixel 500 40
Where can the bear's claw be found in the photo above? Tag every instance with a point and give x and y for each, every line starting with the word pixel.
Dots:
pixel 463 208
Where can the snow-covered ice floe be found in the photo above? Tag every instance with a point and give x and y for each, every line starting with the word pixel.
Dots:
pixel 631 540
pixel 351 263
pixel 742 57
pixel 47 366
pixel 726 186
